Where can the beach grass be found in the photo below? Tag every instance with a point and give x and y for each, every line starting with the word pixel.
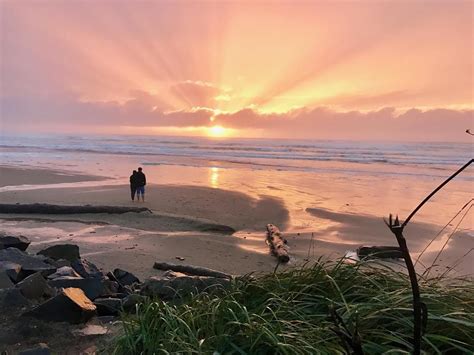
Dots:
pixel 295 312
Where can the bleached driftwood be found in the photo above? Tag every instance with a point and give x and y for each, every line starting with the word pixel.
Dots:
pixel 191 270
pixel 278 244
pixel 44 208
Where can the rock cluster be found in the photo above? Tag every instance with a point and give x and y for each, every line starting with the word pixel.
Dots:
pixel 57 285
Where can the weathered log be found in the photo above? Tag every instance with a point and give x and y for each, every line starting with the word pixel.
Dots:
pixel 44 208
pixel 277 243
pixel 191 270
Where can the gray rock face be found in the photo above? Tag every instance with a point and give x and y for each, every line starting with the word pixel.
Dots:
pixel 108 306
pixel 92 287
pixel 124 277
pixel 70 305
pixel 34 287
pixel 169 288
pixel 10 241
pixel 41 349
pixel 64 271
pixel 29 264
pixel 12 270
pixel 5 281
pixel 86 269
pixel 62 251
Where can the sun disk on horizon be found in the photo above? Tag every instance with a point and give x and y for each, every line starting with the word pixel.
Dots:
pixel 217 131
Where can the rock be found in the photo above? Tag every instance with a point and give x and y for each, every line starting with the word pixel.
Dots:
pixel 34 287
pixel 10 241
pixel 64 271
pixel 92 287
pixel 169 288
pixel 62 262
pixel 29 264
pixel 131 301
pixel 86 269
pixel 70 305
pixel 110 288
pixel 125 277
pixel 41 349
pixel 62 251
pixel 11 299
pixel 12 270
pixel 108 306
pixel 90 329
pixel 5 281
pixel 381 252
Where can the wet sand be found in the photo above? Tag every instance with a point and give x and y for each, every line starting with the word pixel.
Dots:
pixel 135 241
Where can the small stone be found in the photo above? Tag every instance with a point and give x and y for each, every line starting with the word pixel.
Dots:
pixel 180 258
pixel 62 251
pixel 70 305
pixel 92 287
pixel 12 269
pixel 86 269
pixel 5 281
pixel 91 329
pixel 125 277
pixel 10 241
pixel 34 286
pixel 64 271
pixel 91 350
pixel 41 349
pixel 108 306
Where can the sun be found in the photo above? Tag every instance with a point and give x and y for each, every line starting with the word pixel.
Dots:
pixel 217 131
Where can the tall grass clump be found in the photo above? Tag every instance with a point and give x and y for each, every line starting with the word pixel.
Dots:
pixel 290 313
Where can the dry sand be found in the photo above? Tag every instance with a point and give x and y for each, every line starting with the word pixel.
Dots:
pixel 134 241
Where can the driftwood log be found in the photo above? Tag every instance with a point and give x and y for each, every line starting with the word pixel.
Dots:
pixel 277 243
pixel 44 208
pixel 380 252
pixel 191 270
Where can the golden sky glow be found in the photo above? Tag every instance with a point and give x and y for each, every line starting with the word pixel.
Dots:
pixel 145 62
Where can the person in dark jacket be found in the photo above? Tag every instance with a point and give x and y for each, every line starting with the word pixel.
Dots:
pixel 133 184
pixel 141 182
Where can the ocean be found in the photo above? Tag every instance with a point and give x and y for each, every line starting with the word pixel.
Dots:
pixel 374 178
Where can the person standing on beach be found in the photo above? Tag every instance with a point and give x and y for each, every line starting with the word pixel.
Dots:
pixel 133 184
pixel 141 182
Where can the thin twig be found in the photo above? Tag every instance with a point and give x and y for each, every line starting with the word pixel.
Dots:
pixel 447 241
pixel 441 231
pixel 435 191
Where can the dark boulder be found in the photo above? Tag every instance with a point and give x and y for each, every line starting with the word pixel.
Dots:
pixel 125 277
pixel 86 269
pixel 130 302
pixel 70 305
pixel 11 241
pixel 61 251
pixel 35 287
pixel 41 349
pixel 13 270
pixel 92 287
pixel 11 299
pixel 108 306
pixel 5 281
pixel 29 263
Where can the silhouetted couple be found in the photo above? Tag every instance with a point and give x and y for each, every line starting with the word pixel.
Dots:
pixel 137 184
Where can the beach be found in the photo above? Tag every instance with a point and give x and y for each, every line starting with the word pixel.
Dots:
pixel 322 213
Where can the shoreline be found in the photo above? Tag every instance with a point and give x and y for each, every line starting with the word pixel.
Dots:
pixel 135 241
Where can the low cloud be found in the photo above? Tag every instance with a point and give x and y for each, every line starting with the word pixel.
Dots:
pixel 145 110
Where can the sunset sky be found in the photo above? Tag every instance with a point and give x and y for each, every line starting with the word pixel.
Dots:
pixel 322 69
